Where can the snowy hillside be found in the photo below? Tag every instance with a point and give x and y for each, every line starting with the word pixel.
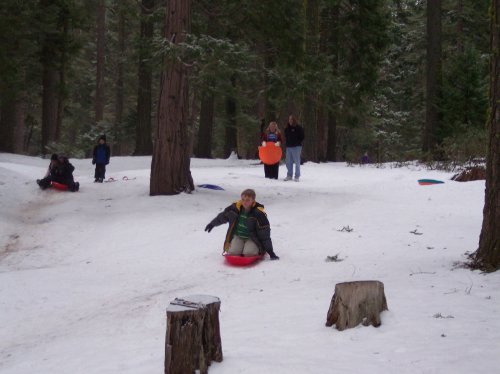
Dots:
pixel 85 277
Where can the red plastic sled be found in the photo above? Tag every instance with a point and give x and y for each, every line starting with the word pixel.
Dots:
pixel 270 154
pixel 241 260
pixel 59 186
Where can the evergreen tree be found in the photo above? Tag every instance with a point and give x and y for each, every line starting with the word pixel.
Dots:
pixel 487 256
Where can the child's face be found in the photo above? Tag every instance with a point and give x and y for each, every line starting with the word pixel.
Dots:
pixel 247 201
pixel 101 141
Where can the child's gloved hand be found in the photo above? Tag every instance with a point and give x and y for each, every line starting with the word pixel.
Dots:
pixel 273 256
pixel 277 144
pixel 263 144
pixel 209 227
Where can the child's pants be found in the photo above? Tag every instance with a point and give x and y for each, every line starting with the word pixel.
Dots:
pixel 245 247
pixel 100 171
pixel 271 171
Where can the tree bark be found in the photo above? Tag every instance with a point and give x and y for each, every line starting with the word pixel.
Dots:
pixel 310 118
pixel 144 142
pixel 460 25
pixel 100 55
pixel 12 123
pixel 433 75
pixel 331 21
pixel 119 96
pixel 170 166
pixel 193 334
pixel 231 132
pixel 487 256
pixel 356 302
pixel 19 126
pixel 50 105
pixel 7 117
pixel 331 147
pixel 204 147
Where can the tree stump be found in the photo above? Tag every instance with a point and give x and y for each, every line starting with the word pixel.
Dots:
pixel 356 302
pixel 471 174
pixel 193 334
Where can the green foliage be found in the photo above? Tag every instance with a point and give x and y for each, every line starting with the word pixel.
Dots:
pixel 469 144
pixel 368 68
pixel 464 100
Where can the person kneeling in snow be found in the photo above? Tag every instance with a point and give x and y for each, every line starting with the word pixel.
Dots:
pixel 249 232
pixel 60 171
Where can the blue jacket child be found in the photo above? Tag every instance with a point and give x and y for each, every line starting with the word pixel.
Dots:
pixel 100 159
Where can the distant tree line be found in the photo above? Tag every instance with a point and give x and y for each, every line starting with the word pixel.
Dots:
pixel 397 78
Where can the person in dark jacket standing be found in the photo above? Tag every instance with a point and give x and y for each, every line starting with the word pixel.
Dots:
pixel 249 232
pixel 100 159
pixel 294 136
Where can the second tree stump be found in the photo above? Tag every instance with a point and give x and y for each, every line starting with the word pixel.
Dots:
pixel 356 302
pixel 193 334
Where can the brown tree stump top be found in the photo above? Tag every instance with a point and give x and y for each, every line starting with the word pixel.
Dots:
pixel 191 302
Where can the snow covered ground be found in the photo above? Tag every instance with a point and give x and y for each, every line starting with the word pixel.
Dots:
pixel 85 277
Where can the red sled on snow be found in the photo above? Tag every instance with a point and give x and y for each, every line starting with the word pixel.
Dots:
pixel 242 260
pixel 270 154
pixel 59 186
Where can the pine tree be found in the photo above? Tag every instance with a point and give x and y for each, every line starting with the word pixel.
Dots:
pixel 487 256
pixel 170 166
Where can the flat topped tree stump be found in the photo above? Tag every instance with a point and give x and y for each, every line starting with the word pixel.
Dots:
pixel 193 334
pixel 356 302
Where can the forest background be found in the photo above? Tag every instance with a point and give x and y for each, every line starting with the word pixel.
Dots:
pixel 402 80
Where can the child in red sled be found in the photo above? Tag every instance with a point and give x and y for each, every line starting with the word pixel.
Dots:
pixel 249 232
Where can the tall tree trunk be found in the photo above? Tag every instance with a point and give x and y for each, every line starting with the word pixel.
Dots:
pixel 204 147
pixel 487 256
pixel 7 118
pixel 170 166
pixel 231 132
pixel 119 102
pixel 269 64
pixel 207 103
pixel 61 89
pixel 434 65
pixel 50 105
pixel 331 21
pixel 12 126
pixel 50 58
pixel 331 148
pixel 143 141
pixel 101 46
pixel 322 118
pixel 19 125
pixel 460 25
pixel 310 120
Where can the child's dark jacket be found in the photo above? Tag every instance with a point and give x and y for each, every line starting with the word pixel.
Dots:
pixel 101 154
pixel 257 224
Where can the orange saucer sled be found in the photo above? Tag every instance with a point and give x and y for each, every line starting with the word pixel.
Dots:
pixel 270 154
